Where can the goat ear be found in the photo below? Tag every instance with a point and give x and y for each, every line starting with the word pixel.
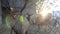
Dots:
pixel 11 8
pixel 8 8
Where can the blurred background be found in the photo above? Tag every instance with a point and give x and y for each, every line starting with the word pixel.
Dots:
pixel 29 17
